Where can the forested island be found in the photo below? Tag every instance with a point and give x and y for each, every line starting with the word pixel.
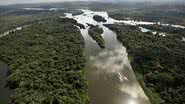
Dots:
pixel 95 32
pixel 46 63
pixel 99 18
pixel 158 62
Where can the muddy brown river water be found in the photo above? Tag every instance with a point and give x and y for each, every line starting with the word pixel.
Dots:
pixel 109 73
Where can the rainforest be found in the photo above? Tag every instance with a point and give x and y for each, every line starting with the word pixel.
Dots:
pixel 92 52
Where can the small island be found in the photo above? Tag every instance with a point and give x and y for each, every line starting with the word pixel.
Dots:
pixel 95 32
pixel 98 18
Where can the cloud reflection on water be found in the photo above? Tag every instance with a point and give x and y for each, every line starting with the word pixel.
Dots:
pixel 110 76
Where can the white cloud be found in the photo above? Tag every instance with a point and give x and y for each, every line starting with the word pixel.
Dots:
pixel 2 2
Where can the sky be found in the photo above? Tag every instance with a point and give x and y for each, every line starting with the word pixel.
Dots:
pixel 4 2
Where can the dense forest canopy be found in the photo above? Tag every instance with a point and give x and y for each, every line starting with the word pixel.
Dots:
pixel 46 63
pixel 95 32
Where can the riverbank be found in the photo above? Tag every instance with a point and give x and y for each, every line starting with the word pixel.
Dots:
pixel 5 94
pixel 95 32
pixel 109 73
pixel 157 61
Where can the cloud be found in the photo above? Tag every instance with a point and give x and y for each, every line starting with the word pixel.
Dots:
pixel 32 1
pixel 3 2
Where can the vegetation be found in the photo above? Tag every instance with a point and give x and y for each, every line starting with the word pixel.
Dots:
pixel 74 22
pixel 11 18
pixel 175 32
pixel 95 32
pixel 46 63
pixel 172 14
pixel 99 18
pixel 159 61
pixel 9 22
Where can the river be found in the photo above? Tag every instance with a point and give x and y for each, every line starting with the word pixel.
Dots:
pixel 5 91
pixel 109 73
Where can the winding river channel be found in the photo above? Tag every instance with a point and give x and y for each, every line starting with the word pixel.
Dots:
pixel 109 73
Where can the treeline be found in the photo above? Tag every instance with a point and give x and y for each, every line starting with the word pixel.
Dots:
pixel 46 63
pixel 172 14
pixel 174 31
pixel 13 17
pixel 69 21
pixel 13 21
pixel 159 63
pixel 161 28
pixel 95 32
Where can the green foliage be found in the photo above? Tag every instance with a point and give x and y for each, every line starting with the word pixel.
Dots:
pixel 99 18
pixel 95 32
pixel 68 20
pixel 160 61
pixel 175 32
pixel 46 63
pixel 161 28
pixel 171 14
pixel 9 22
